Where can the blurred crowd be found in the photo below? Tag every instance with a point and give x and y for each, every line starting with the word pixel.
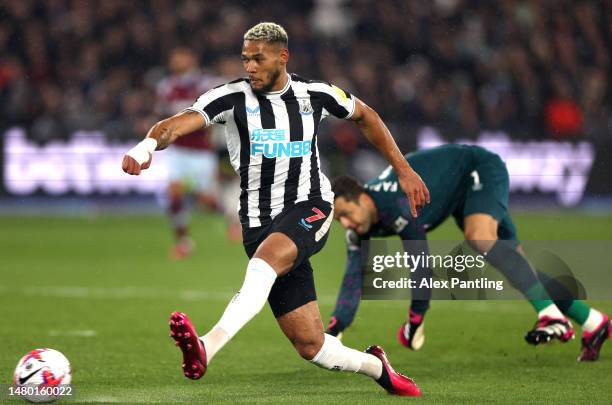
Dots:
pixel 536 69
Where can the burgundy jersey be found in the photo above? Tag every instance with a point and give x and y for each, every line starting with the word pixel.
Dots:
pixel 175 93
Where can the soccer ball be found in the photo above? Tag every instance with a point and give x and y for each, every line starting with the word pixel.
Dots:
pixel 42 375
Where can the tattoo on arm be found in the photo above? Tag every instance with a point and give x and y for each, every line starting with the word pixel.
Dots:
pixel 165 131
pixel 163 135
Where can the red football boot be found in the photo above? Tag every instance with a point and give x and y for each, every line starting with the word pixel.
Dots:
pixel 186 338
pixel 392 381
pixel 412 333
pixel 592 341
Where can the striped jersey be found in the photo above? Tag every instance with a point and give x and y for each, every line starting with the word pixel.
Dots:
pixel 272 141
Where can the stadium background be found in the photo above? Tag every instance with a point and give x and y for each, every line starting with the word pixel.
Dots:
pixel 80 241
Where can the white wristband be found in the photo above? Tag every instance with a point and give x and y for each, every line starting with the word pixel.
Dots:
pixel 140 153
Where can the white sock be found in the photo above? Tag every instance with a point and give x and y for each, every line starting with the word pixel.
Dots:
pixel 593 321
pixel 247 303
pixel 335 356
pixel 214 341
pixel 551 311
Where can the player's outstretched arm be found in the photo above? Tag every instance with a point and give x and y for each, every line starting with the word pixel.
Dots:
pixel 159 137
pixel 349 296
pixel 378 134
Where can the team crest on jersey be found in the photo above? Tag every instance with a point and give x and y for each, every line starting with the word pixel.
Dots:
pixel 252 111
pixel 399 224
pixel 305 107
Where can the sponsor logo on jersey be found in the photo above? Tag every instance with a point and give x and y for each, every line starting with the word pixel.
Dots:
pixel 272 143
pixel 252 111
pixel 389 186
pixel 266 135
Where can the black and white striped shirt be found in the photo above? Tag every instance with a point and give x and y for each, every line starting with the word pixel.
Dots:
pixel 272 141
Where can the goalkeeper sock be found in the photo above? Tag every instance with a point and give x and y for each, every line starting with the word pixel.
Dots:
pixel 550 311
pixel 418 307
pixel 521 275
pixel 578 311
pixel 544 307
pixel 593 321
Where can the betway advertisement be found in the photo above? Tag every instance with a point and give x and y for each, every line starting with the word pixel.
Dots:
pixel 89 164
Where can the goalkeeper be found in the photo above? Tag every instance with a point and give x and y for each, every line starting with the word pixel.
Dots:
pixel 471 184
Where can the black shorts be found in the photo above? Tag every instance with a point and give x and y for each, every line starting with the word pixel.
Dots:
pixel 307 225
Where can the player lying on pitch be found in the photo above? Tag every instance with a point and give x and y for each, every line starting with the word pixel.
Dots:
pixel 471 184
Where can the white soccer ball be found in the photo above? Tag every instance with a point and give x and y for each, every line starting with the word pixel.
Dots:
pixel 42 375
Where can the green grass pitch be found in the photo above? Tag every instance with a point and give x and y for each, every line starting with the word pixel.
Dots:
pixel 101 289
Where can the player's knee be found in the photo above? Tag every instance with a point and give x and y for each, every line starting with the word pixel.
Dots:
pixel 480 239
pixel 480 227
pixel 308 349
pixel 479 234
